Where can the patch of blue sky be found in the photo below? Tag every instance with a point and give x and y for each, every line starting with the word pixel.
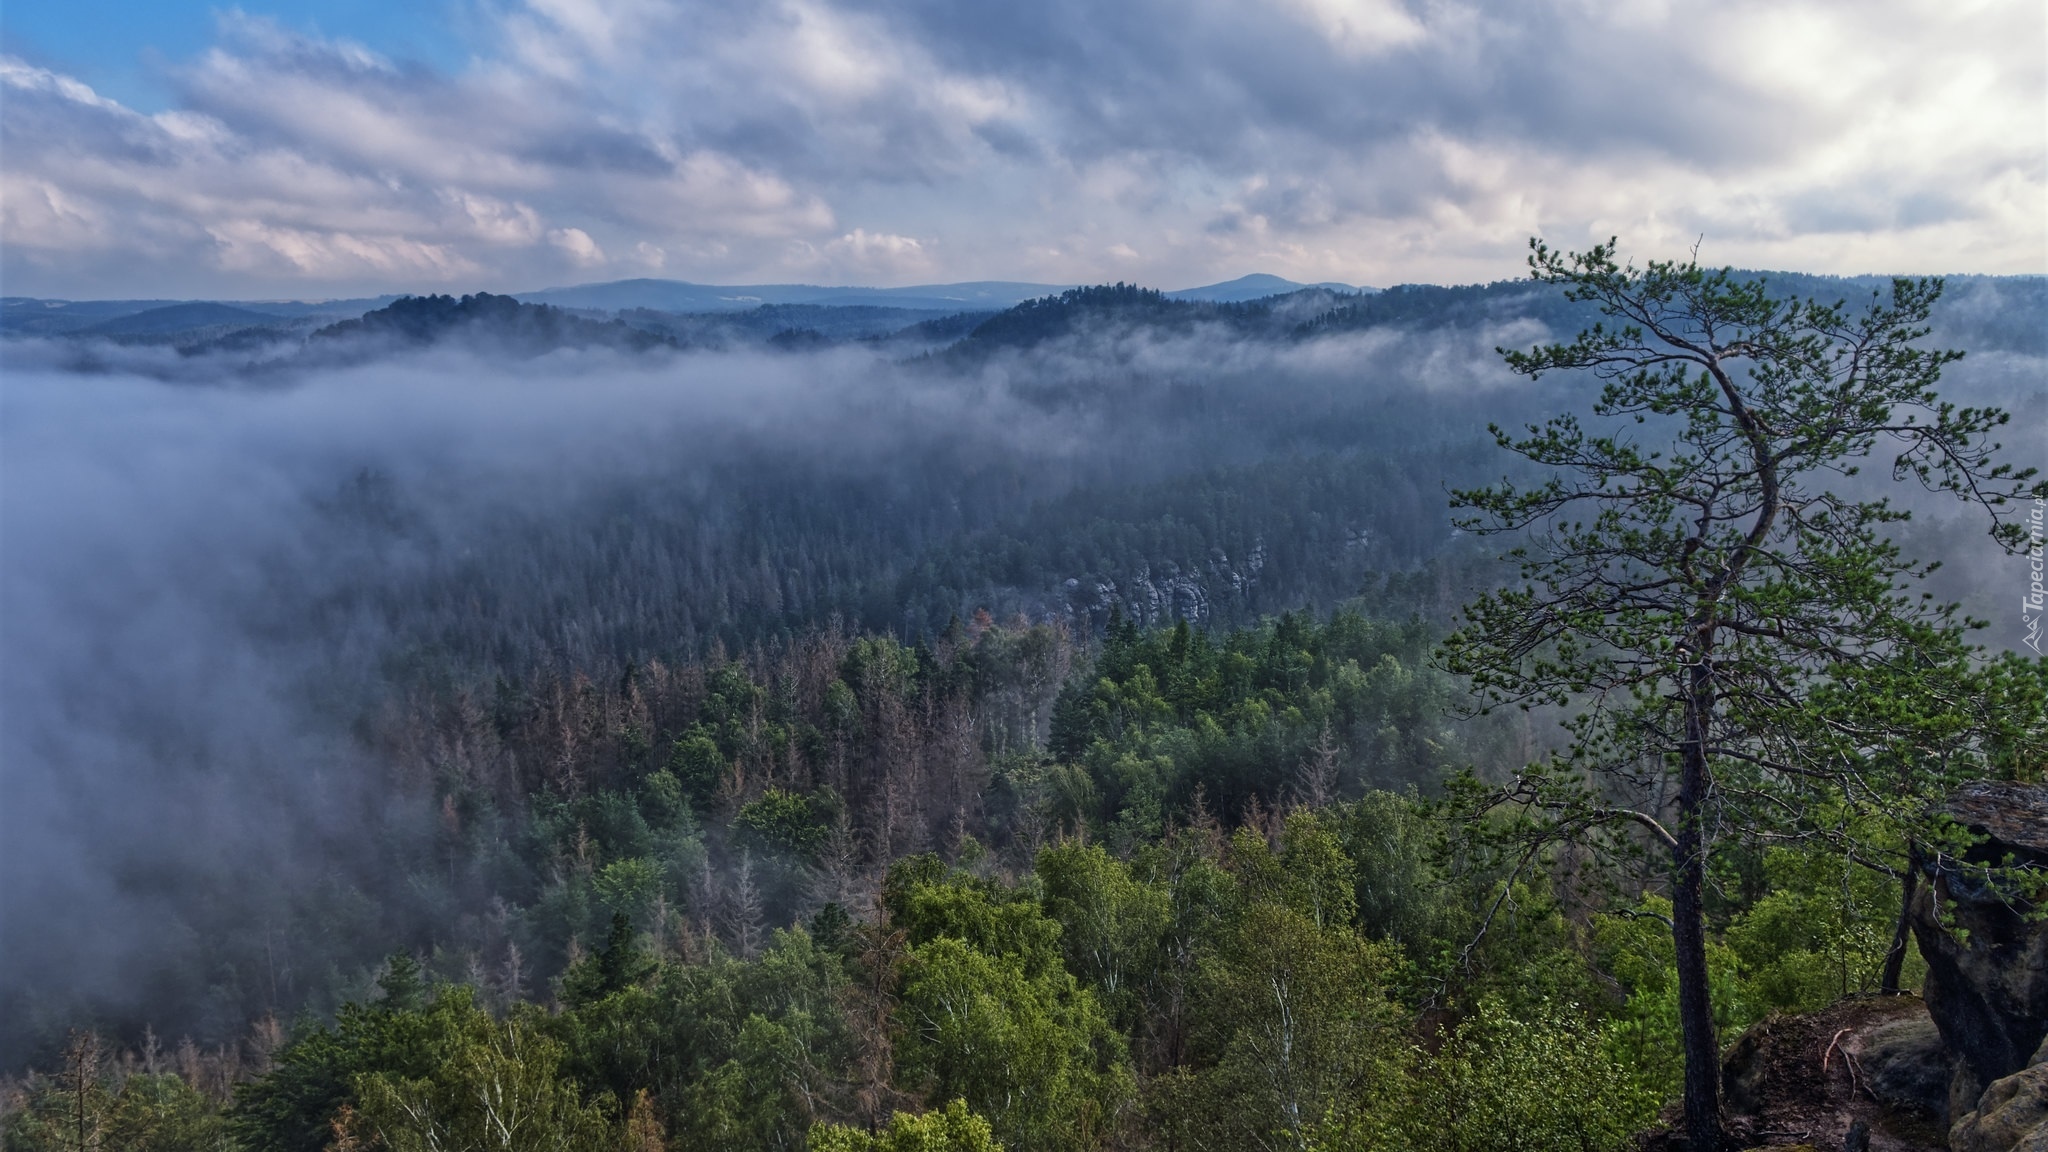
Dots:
pixel 128 50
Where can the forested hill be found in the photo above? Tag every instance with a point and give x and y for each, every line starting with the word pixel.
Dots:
pixel 1127 305
pixel 483 322
pixel 1987 314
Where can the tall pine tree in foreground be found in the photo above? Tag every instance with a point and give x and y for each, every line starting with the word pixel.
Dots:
pixel 1706 576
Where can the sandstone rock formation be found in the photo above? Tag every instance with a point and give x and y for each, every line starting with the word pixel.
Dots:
pixel 2010 1116
pixel 1986 947
pixel 1869 1073
pixel 1968 1071
pixel 1986 952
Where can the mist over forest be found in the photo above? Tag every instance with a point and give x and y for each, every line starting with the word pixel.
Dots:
pixel 454 628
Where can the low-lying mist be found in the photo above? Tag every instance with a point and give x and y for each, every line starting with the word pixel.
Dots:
pixel 214 578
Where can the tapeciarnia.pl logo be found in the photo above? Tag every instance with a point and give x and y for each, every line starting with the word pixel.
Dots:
pixel 2036 599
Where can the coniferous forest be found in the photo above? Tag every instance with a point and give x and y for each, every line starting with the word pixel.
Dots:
pixel 1109 723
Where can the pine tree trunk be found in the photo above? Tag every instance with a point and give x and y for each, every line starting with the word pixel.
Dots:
pixel 1689 931
pixel 1895 956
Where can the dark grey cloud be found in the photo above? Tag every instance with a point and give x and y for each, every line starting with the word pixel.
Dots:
pixel 1228 82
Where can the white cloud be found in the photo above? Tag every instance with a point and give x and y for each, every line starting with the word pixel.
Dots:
pixel 266 250
pixel 871 257
pixel 1362 27
pixel 863 244
pixel 578 244
pixel 24 77
pixel 1171 140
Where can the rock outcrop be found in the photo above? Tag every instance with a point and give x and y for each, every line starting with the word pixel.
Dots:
pixel 1986 952
pixel 1986 947
pixel 1906 1067
pixel 2010 1116
pixel 1968 1071
pixel 1868 1072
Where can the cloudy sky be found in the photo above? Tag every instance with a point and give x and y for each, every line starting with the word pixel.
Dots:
pixel 305 149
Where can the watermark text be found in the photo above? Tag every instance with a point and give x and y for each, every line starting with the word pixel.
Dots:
pixel 2035 605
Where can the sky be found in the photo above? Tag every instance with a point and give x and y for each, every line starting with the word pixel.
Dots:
pixel 311 150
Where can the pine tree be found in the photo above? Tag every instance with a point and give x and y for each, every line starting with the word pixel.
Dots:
pixel 1714 607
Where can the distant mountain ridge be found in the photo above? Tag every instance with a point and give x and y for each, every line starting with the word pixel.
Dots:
pixel 177 318
pixel 683 296
pixel 960 322
pixel 33 316
pixel 36 316
pixel 973 296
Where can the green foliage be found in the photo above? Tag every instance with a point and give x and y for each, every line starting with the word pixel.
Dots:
pixel 403 984
pixel 662 800
pixel 292 1107
pixel 495 1084
pixel 1292 1028
pixel 1175 983
pixel 1401 893
pixel 1238 976
pixel 1112 926
pixel 1174 712
pixel 1633 945
pixel 991 1015
pixel 418 1074
pixel 617 966
pixel 612 852
pixel 1034 1054
pixel 1515 1082
pixel 831 927
pixel 955 1129
pixel 549 776
pixel 739 1054
pixel 162 1113
pixel 697 765
pixel 628 887
pixel 142 1112
pixel 1818 933
pixel 786 821
pixel 929 902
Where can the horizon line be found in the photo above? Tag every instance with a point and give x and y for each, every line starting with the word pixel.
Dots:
pixel 1053 286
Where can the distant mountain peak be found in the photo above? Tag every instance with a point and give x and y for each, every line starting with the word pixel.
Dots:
pixel 1256 286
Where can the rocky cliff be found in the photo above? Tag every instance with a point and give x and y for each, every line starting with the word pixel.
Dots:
pixel 1982 937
